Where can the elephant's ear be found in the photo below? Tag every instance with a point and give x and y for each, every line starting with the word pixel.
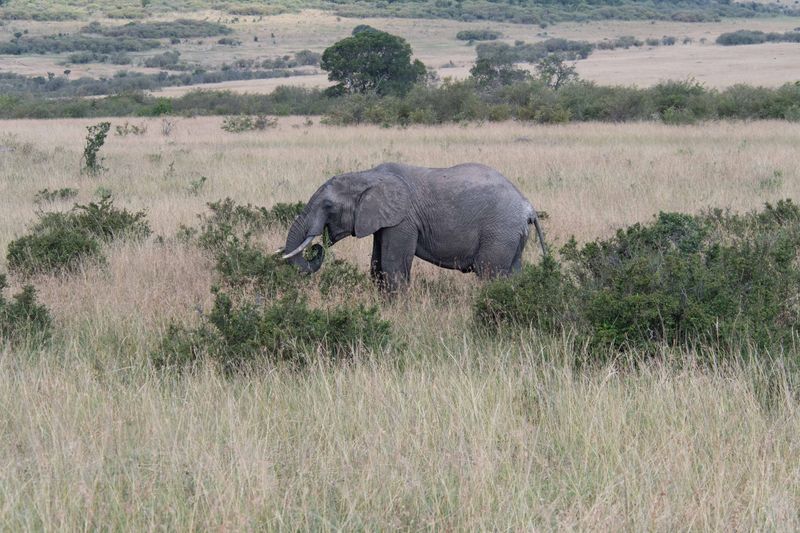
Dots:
pixel 385 203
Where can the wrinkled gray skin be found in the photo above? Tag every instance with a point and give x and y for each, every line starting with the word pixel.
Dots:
pixel 468 217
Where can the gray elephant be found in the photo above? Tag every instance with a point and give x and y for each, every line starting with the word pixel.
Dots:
pixel 468 217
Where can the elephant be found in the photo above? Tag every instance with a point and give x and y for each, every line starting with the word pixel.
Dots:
pixel 468 217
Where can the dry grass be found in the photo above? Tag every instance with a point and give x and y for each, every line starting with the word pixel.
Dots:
pixel 455 432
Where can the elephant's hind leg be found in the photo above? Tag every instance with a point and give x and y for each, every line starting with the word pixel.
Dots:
pixel 500 258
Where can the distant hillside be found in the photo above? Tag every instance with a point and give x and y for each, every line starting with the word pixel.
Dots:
pixel 541 12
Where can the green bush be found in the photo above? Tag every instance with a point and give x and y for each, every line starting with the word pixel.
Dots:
pixel 180 28
pixel 242 123
pixel 244 265
pixel 740 37
pixel 228 231
pixel 478 35
pixel 341 277
pixel 242 336
pixel 61 241
pixel 95 138
pixel 229 220
pixel 23 319
pixel 48 196
pixel 51 249
pixel 539 296
pixel 56 44
pixel 715 279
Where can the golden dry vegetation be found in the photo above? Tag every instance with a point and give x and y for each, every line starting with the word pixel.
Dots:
pixel 453 431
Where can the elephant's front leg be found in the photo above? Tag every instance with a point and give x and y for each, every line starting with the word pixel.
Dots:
pixel 375 269
pixel 396 246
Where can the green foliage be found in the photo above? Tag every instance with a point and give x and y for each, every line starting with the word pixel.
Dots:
pixel 23 319
pixel 242 123
pixel 229 220
pixel 544 12
pixel 48 196
pixel 127 84
pixel 243 336
pixel 739 37
pixel 51 249
pixel 342 277
pixel 61 43
pixel 493 72
pixel 372 62
pixel 243 265
pixel 625 41
pixel 538 296
pixel 716 279
pixel 180 28
pixel 95 138
pixel 126 129
pixel 169 59
pixel 229 41
pixel 478 35
pixel 228 232
pixel 521 52
pixel 59 242
pixel 104 221
pixel 453 101
pixel 554 72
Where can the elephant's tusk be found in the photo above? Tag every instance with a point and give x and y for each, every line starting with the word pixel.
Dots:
pixel 279 250
pixel 300 248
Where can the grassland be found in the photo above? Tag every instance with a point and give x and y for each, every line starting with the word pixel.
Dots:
pixel 434 42
pixel 454 431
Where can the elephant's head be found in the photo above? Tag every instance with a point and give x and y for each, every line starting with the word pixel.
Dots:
pixel 357 204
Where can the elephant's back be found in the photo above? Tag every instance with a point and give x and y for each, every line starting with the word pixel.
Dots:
pixel 477 186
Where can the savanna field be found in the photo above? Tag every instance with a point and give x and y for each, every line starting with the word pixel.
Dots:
pixel 445 427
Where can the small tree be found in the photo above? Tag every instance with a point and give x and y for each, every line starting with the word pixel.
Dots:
pixel 555 72
pixel 94 141
pixel 372 61
pixel 496 71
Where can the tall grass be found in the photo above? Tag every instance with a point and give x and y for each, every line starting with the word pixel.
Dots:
pixel 452 431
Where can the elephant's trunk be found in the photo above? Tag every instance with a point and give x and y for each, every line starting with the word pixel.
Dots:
pixel 298 238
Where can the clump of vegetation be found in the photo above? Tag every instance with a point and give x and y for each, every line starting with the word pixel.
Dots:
pixel 740 37
pixel 243 264
pixel 341 277
pixel 228 233
pixel 229 41
pixel 715 279
pixel 61 43
pixel 169 59
pixel 242 123
pixel 372 61
pixel 229 219
pixel 23 319
pixel 95 138
pixel 59 242
pixel 244 336
pixel 48 196
pixel 625 41
pixel 540 296
pixel 126 129
pixel 478 35
pixel 522 52
pixel 180 28
pixel 117 58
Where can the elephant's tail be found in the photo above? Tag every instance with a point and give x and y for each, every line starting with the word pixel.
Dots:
pixel 534 219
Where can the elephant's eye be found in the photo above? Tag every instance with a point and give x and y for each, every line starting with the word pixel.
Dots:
pixel 327 204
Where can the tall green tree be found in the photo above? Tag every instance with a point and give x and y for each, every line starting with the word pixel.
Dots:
pixel 372 61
